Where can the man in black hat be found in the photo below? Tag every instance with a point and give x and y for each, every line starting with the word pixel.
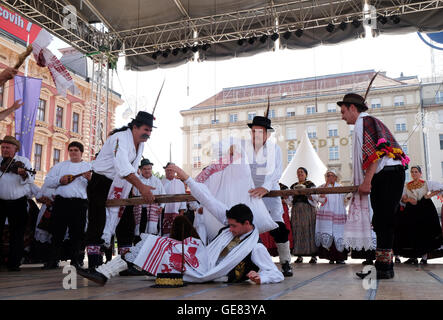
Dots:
pixel 14 186
pixel 114 173
pixel 379 169
pixel 266 169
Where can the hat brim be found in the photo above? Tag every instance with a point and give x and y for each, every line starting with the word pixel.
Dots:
pixel 266 127
pixel 10 142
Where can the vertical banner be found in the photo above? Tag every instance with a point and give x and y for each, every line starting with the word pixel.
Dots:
pixel 28 90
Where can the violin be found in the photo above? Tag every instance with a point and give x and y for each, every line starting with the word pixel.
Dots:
pixel 12 165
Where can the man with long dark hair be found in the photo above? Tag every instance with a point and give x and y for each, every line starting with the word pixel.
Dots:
pixel 114 173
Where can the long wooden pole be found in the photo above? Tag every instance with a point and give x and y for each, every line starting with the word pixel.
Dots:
pixel 168 198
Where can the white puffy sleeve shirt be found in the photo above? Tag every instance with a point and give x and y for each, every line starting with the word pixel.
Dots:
pixel 75 189
pixel 118 156
pixel 12 186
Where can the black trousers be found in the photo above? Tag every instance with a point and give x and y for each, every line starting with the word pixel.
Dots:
pixel 97 190
pixel 280 234
pixel 125 228
pixel 17 213
pixel 386 192
pixel 68 213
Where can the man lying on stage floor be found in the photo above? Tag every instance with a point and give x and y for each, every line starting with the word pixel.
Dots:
pixel 235 255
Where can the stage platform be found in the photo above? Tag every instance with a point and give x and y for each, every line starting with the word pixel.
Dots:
pixel 321 281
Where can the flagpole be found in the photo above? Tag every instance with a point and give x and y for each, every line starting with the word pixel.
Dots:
pixel 27 59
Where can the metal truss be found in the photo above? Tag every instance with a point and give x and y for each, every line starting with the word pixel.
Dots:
pixel 212 29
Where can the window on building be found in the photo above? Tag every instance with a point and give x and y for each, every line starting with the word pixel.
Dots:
pixel 251 115
pixel 215 120
pixel 332 107
pixel 271 114
pixel 439 97
pixel 197 162
pixel 291 133
pixel 196 142
pixel 333 153
pixel 400 125
pixel 41 110
pixel 375 103
pixel 290 112
pixel 75 122
pixel 233 117
pixel 399 101
pixel 2 88
pixel 441 141
pixel 38 157
pixel 291 154
pixel 197 120
pixel 310 109
pixel 56 156
pixel 332 130
pixel 312 132
pixel 59 117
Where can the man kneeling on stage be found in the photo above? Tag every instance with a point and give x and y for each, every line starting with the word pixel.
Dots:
pixel 235 255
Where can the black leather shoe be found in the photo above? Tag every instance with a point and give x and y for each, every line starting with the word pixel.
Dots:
pixel 93 275
pixel 331 261
pixel 131 271
pixel 286 269
pixel 362 274
pixel 411 261
pixel 397 260
pixel 340 262
pixel 50 265
pixel 385 274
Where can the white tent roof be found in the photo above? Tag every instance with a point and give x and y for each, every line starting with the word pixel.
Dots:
pixel 306 157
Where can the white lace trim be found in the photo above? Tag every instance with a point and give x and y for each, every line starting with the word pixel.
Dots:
pixel 325 240
pixel 360 243
pixel 134 251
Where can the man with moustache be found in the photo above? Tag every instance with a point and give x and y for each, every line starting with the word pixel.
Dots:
pixel 114 174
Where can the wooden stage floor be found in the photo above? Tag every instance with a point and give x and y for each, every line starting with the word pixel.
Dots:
pixel 321 281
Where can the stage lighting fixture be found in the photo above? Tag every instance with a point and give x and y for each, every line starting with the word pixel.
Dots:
pixel 175 51
pixel 299 32
pixel 206 46
pixel 251 40
pixel 275 36
pixel 395 19
pixel 382 19
pixel 343 25
pixel 166 53
pixel 263 38
pixel 240 42
pixel 287 35
pixel 185 49
pixel 154 55
pixel 194 49
pixel 356 23
pixel 330 27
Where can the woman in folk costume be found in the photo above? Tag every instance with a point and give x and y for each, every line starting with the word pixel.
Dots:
pixel 418 230
pixel 378 169
pixel 330 223
pixel 234 255
pixel 303 216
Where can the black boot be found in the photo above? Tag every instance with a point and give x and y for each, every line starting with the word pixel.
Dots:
pixel 93 275
pixel 384 270
pixel 286 269
pixel 132 271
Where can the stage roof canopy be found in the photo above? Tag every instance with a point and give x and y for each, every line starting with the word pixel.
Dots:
pixel 152 33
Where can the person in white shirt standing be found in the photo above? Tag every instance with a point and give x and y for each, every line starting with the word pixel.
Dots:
pixel 114 173
pixel 150 213
pixel 70 179
pixel 14 180
pixel 172 186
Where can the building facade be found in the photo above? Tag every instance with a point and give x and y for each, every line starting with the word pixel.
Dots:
pixel 301 105
pixel 60 120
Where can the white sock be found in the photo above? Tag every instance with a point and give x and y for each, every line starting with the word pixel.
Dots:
pixel 113 267
pixel 284 252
